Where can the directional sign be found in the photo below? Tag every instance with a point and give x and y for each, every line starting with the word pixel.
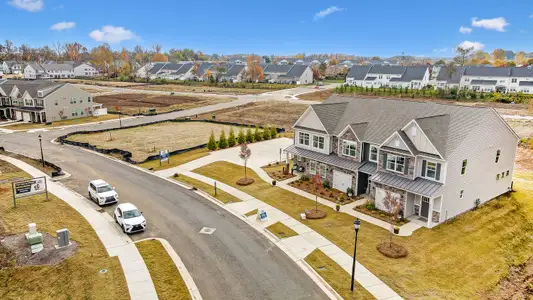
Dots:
pixel 163 155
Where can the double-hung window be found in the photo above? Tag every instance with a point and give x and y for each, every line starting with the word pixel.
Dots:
pixel 312 167
pixel 318 142
pixel 349 148
pixel 431 170
pixel 303 138
pixel 395 163
pixel 373 156
pixel 322 169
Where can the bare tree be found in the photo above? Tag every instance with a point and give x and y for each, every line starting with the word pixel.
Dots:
pixel 245 154
pixel 392 206
pixel 58 48
pixel 462 55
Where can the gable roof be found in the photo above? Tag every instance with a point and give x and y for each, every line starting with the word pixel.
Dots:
pixel 271 68
pixel 445 125
pixel 487 71
pixel 444 75
pixel 414 73
pixel 358 72
pixel 296 71
pixel 57 67
pixel 31 87
pixel 235 70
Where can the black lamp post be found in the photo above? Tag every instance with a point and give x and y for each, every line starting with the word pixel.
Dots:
pixel 356 225
pixel 41 145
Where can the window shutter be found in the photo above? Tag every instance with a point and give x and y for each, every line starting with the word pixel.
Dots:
pixel 424 168
pixel 384 160
pixel 406 166
pixel 438 172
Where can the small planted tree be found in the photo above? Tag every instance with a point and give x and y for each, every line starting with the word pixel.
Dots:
pixel 316 213
pixel 266 133
pixel 212 143
pixel 273 132
pixel 241 137
pixel 392 205
pixel 222 142
pixel 249 135
pixel 231 138
pixel 257 135
pixel 244 154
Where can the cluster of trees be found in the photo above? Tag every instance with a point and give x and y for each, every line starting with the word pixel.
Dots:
pixel 430 92
pixel 242 137
pixel 497 58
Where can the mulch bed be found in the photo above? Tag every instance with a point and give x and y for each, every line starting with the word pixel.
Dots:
pixel 378 214
pixel 392 250
pixel 518 284
pixel 329 194
pixel 314 214
pixel 245 181
pixel 279 176
pixel 15 247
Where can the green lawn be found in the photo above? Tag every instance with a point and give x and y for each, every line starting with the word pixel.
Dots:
pixel 77 277
pixel 166 277
pixel 221 195
pixel 251 213
pixel 281 231
pixel 461 259
pixel 84 120
pixel 175 160
pixel 336 276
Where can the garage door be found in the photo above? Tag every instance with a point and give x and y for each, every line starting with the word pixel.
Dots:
pixel 26 117
pixel 380 196
pixel 18 115
pixel 341 181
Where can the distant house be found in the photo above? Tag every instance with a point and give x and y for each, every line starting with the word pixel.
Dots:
pixel 293 74
pixel 42 101
pixel 45 71
pixel 437 160
pixel 414 77
pixel 12 67
pixel 85 70
pixel 234 73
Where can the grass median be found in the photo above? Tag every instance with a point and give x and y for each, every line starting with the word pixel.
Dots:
pixel 221 195
pixel 281 230
pixel 166 277
pixel 77 277
pixel 175 160
pixel 477 247
pixel 78 121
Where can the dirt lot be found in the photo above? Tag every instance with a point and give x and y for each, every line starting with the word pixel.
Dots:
pixel 524 128
pixel 132 103
pixel 149 140
pixel 200 89
pixel 279 114
pixel 102 82
pixel 317 96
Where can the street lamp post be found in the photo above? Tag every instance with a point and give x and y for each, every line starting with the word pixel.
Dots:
pixel 41 145
pixel 356 225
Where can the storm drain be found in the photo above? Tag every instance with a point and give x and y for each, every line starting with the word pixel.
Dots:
pixel 207 230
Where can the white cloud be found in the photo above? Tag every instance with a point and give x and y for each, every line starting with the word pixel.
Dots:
pixel 440 50
pixel 63 25
pixel 112 34
pixel 328 11
pixel 469 44
pixel 497 24
pixel 29 5
pixel 465 30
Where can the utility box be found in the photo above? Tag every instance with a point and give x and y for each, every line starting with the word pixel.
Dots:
pixel 63 238
pixel 34 238
pixel 32 228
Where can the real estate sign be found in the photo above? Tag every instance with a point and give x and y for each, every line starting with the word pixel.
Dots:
pixel 163 155
pixel 29 187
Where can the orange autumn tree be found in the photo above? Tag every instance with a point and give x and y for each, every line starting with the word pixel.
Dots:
pixel 254 71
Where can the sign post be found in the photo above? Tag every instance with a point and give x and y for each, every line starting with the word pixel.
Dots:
pixel 163 156
pixel 29 187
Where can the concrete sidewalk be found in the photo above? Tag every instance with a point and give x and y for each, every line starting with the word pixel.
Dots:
pixel 138 278
pixel 304 243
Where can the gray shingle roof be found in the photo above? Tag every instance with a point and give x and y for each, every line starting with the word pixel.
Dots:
pixel 444 75
pixel 183 69
pixel 156 68
pixel 487 71
pixel 331 159
pixel 379 69
pixel 522 72
pixel 358 72
pixel 297 71
pixel 370 78
pixel 271 68
pixel 359 129
pixel 418 186
pixel 202 68
pixel 58 67
pixel 414 73
pixel 386 116
pixel 31 87
pixel 235 70
pixel 525 83
pixel 484 82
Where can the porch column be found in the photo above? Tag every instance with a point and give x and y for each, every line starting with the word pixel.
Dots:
pixel 430 213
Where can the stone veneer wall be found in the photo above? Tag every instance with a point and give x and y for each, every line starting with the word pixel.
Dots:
pixel 435 217
pixel 410 165
pixel 348 136
pixel 402 193
pixel 329 171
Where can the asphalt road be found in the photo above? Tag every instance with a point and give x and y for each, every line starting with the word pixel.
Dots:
pixel 235 262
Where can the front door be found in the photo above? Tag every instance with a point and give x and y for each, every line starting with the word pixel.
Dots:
pixel 424 212
pixel 362 183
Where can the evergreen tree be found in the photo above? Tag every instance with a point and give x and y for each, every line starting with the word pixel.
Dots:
pixel 249 135
pixel 241 137
pixel 222 142
pixel 273 132
pixel 212 144
pixel 257 135
pixel 266 133
pixel 231 138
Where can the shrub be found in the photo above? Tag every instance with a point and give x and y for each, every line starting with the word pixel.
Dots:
pixel 241 137
pixel 304 178
pixel 273 132
pixel 266 133
pixel 370 206
pixel 222 142
pixel 257 135
pixel 212 143
pixel 326 184
pixel 231 138
pixel 249 136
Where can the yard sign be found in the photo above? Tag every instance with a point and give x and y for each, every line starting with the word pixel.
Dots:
pixel 163 156
pixel 29 187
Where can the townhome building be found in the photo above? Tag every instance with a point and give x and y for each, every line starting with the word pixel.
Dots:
pixel 415 77
pixel 11 67
pixel 167 70
pixel 40 101
pixel 438 160
pixel 487 79
pixel 235 73
pixel 85 70
pixel 293 74
pixel 46 71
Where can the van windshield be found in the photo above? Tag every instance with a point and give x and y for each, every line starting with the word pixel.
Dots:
pixel 103 189
pixel 131 214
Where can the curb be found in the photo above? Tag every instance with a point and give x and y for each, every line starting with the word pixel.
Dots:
pixel 187 278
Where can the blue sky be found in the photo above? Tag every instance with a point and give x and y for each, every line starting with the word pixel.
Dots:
pixel 384 28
